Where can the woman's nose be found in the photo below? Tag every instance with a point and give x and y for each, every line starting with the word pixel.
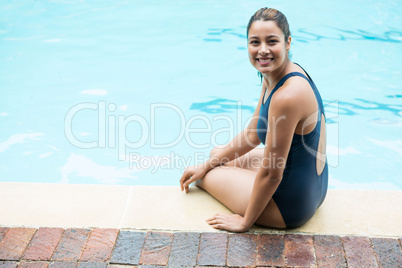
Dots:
pixel 264 49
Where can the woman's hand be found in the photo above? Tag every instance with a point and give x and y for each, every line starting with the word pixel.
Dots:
pixel 231 223
pixel 192 174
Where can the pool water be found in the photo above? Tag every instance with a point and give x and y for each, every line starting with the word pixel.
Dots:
pixel 132 92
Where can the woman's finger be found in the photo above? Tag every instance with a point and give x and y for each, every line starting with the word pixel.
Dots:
pixel 216 216
pixel 218 226
pixel 183 179
pixel 211 221
pixel 219 216
pixel 190 180
pixel 215 221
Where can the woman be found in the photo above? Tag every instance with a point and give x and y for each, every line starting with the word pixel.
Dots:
pixel 290 181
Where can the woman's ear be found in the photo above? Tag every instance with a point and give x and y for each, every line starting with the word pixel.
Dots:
pixel 288 43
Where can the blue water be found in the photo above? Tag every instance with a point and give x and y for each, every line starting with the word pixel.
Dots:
pixel 131 92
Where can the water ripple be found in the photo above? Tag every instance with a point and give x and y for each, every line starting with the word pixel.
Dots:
pixel 331 33
pixel 221 105
pixel 350 108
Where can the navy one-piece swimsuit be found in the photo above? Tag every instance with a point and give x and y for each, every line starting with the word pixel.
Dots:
pixel 301 190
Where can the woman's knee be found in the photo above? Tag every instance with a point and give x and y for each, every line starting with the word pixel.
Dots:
pixel 198 183
pixel 206 181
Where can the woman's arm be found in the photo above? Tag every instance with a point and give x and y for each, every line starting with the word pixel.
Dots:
pixel 244 142
pixel 241 144
pixel 285 112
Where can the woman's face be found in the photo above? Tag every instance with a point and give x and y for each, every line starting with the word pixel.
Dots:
pixel 267 48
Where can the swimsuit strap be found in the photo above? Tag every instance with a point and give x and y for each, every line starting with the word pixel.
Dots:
pixel 309 80
pixel 304 71
pixel 283 80
pixel 312 85
pixel 280 83
pixel 317 95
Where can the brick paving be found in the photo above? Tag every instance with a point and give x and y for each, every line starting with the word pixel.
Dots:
pixel 113 248
pixel 43 244
pixel 329 251
pixel 270 250
pixel 299 250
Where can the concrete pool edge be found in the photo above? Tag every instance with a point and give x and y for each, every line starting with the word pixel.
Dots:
pixel 166 208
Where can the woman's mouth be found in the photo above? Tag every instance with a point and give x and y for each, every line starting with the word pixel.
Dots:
pixel 265 61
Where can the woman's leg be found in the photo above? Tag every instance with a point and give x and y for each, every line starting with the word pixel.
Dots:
pixel 232 187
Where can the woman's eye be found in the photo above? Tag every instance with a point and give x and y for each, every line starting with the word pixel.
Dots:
pixel 272 41
pixel 254 42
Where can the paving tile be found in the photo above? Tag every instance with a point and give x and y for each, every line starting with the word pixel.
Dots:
pixel 270 250
pixel 43 244
pixel 213 248
pixel 209 266
pixel 92 265
pixel 152 266
pixel 388 252
pixel 128 248
pixel 242 250
pixel 156 248
pixel 3 231
pixel 99 245
pixel 63 264
pixel 184 250
pixel 15 241
pixel 122 266
pixel 8 264
pixel 299 250
pixel 329 251
pixel 34 264
pixel 359 252
pixel 71 244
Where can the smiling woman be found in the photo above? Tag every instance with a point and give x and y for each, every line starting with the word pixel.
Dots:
pixel 266 46
pixel 289 120
pixel 278 26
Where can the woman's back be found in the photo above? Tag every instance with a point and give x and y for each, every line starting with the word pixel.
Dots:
pixel 305 177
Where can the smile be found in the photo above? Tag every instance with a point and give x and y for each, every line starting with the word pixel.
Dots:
pixel 265 60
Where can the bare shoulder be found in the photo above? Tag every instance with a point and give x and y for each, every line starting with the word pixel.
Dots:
pixel 293 96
